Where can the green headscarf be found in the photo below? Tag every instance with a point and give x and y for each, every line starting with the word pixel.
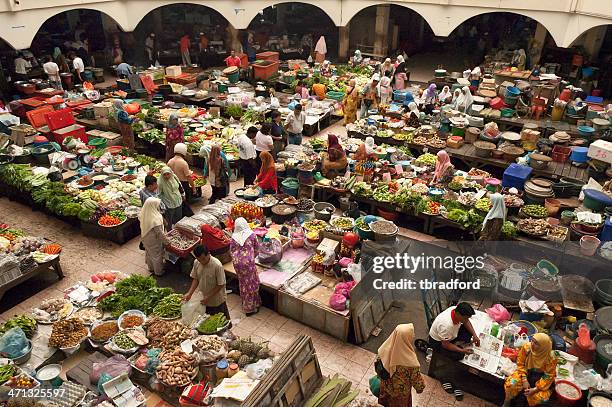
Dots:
pixel 169 190
pixel 56 52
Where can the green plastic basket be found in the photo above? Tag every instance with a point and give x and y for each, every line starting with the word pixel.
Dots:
pixel 337 96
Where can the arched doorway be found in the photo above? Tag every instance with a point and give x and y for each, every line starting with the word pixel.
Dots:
pixel 88 32
pixel 407 31
pixel 292 29
pixel 171 22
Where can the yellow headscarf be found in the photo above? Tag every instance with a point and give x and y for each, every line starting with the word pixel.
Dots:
pixel 398 349
pixel 537 360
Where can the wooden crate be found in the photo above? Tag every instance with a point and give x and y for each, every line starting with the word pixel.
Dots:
pixel 292 379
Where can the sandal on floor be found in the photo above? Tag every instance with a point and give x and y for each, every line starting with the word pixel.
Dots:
pixel 421 345
pixel 448 387
pixel 458 395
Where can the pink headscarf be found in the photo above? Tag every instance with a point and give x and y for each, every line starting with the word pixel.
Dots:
pixel 442 165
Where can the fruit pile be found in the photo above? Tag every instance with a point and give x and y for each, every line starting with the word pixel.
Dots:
pixel 245 351
pixel 246 210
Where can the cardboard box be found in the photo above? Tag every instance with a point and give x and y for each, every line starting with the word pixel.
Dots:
pixel 174 71
pixel 328 244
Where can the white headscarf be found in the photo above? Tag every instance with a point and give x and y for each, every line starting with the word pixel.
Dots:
pixel 456 97
pixel 369 145
pixel 150 216
pixel 464 100
pixel 412 108
pixel 445 94
pixel 242 231
pixel 321 46
pixel 476 72
pixel 400 59
pixel 498 209
pixel 384 83
pixel 180 148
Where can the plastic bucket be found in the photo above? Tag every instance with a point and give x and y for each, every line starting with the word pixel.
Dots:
pixel 234 76
pixel 589 245
pixel 552 206
pixel 512 91
pixel 557 113
pixel 510 100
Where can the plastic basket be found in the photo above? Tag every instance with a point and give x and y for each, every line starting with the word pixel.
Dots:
pixel 561 154
pixel 176 250
pixel 337 96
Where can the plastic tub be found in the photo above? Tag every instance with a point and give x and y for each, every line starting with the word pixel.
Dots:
pixel 552 206
pixel 390 216
pixel 324 211
pixel 589 245
pixel 566 400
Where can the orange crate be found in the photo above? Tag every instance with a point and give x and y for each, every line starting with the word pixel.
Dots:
pixel 267 56
pixel 265 70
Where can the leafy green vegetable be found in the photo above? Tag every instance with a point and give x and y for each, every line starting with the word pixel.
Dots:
pixel 135 292
pixel 234 111
pixel 169 306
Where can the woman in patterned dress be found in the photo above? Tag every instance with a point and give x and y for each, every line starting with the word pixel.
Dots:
pixel 244 248
pixel 399 359
pixel 536 369
pixel 350 104
pixel 174 135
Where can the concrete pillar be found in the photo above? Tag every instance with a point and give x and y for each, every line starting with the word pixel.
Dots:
pixel 381 35
pixel 537 43
pixel 593 40
pixel 344 41
pixel 394 37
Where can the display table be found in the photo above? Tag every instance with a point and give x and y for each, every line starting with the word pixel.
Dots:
pixel 50 265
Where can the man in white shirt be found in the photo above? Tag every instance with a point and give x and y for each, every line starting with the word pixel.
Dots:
pixel 263 141
pixel 248 155
pixel 21 67
pixel 294 124
pixel 78 65
pixel 450 336
pixel 52 71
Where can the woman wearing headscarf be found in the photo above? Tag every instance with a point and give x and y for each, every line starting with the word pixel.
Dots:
pixel 370 98
pixel 350 104
pixel 357 58
pixel 60 60
pixel 536 370
pixel 180 168
pixel 386 68
pixel 125 124
pixel 153 236
pixel 218 174
pixel 244 248
pixel 519 59
pixel 413 115
pixel 445 96
pixel 320 50
pixel 444 170
pixel 455 102
pixel 399 74
pixel 266 179
pixel 366 151
pixel 334 162
pixel 465 100
pixel 169 190
pixel 493 222
pixel 430 98
pixel 400 361
pixel 385 91
pixel 174 135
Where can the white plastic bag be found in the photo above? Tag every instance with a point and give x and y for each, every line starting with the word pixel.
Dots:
pixel 506 366
pixel 193 309
pixel 256 371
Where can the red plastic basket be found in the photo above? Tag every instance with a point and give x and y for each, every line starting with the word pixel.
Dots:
pixel 176 250
pixel 561 154
pixel 390 216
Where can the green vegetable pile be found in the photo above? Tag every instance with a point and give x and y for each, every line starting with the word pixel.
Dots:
pixel 234 111
pixel 169 307
pixel 483 204
pixel 455 186
pixel 153 136
pixel 135 292
pixel 119 214
pixel 426 160
pixel 6 372
pixel 362 224
pixel 252 116
pixel 16 175
pixel 382 194
pixel 123 341
pixel 509 230
pixel 212 324
pixel 25 322
pixel 362 189
pixel 535 211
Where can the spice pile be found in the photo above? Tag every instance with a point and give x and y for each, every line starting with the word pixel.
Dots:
pixel 67 333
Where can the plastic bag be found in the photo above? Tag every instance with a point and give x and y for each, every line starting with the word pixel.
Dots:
pixel 113 366
pixel 153 361
pixel 257 370
pixel 103 379
pixel 270 252
pixel 14 343
pixel 520 340
pixel 506 366
pixel 510 353
pixel 498 313
pixel 193 309
pixel 337 302
pixel 375 385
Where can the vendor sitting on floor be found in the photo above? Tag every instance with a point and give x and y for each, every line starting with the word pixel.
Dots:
pixel 214 239
pixel 449 337
pixel 366 151
pixel 319 89
pixel 334 161
pixel 536 369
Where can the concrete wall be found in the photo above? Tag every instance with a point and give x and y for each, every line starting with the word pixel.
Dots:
pixel 566 20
